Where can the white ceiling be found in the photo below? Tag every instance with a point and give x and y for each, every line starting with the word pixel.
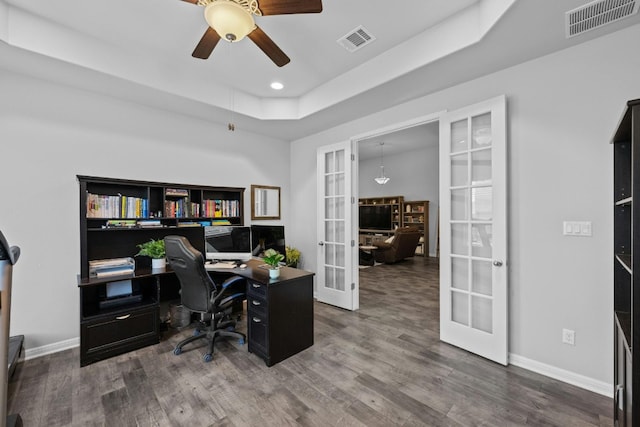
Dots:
pixel 141 50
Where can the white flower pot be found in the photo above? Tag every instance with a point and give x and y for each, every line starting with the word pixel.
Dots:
pixel 157 263
pixel 274 273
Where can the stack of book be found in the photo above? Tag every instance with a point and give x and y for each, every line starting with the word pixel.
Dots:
pixel 149 223
pixel 111 267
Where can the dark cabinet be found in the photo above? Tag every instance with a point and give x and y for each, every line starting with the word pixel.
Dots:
pixel 626 240
pixel 280 315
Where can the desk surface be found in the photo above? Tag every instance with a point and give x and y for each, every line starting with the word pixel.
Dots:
pixel 256 270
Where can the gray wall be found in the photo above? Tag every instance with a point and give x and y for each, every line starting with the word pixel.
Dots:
pixel 562 110
pixel 51 133
pixel 414 175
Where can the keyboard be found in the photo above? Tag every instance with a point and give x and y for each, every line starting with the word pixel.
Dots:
pixel 218 265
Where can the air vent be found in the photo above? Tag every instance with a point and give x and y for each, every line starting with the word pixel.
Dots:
pixel 356 39
pixel 598 13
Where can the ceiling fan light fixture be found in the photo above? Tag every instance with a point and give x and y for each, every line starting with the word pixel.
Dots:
pixel 230 20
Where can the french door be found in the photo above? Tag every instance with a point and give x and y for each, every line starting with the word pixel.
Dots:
pixel 473 251
pixel 334 278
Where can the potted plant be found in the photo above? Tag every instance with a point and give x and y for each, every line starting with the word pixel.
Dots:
pixel 293 256
pixel 273 258
pixel 154 249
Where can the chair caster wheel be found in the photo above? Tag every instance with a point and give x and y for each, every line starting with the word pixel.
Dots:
pixel 177 351
pixel 241 341
pixel 196 332
pixel 207 357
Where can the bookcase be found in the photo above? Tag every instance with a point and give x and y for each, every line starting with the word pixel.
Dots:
pixel 416 213
pixel 626 285
pixel 115 216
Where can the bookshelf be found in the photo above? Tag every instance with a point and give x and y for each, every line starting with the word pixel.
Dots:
pixel 416 213
pixel 115 216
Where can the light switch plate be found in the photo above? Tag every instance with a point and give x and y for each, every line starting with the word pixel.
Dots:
pixel 577 228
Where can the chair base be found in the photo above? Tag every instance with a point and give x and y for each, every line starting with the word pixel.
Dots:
pixel 212 332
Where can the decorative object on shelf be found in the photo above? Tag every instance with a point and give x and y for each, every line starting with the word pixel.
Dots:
pixel 293 256
pixel 154 249
pixel 265 202
pixel 382 179
pixel 273 258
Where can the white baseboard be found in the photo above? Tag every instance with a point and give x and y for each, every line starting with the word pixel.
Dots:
pixel 569 377
pixel 32 353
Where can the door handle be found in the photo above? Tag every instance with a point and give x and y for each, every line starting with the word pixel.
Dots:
pixel 497 263
pixel 320 243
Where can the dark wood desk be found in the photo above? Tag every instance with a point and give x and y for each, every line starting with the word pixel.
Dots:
pixel 279 312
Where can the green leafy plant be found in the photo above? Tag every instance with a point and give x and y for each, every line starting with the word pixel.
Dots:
pixel 293 256
pixel 153 249
pixel 272 258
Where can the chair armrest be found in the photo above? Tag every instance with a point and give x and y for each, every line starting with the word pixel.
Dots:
pixel 231 281
pixel 382 245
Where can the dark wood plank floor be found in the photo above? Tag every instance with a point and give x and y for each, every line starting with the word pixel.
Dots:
pixel 380 366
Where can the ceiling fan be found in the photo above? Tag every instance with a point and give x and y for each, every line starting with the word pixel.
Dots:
pixel 232 20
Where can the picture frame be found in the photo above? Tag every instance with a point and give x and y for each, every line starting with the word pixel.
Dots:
pixel 265 202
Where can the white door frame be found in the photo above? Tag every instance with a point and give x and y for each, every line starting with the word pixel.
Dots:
pixel 417 121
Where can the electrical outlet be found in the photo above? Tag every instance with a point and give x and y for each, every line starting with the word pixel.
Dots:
pixel 569 336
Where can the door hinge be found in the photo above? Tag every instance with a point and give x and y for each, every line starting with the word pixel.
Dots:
pixel 353 200
pixel 353 286
pixel 353 157
pixel 353 243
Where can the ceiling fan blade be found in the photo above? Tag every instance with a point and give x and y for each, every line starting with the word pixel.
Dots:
pixel 267 45
pixel 191 1
pixel 208 41
pixel 284 7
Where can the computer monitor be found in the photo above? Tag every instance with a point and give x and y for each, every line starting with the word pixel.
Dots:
pixel 225 242
pixel 265 237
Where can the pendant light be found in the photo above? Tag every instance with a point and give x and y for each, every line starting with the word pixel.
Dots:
pixel 382 179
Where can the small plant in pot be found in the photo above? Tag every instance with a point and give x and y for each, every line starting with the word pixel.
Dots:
pixel 154 249
pixel 293 256
pixel 273 258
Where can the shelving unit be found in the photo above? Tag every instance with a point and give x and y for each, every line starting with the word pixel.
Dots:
pixel 416 213
pixel 115 216
pixel 626 158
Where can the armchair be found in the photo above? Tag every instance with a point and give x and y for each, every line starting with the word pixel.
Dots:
pixel 201 294
pixel 403 245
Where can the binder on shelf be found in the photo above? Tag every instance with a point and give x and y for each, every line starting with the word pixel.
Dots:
pixel 111 267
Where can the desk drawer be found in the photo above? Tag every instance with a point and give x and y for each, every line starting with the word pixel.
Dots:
pixel 258 331
pixel 111 335
pixel 256 289
pixel 257 306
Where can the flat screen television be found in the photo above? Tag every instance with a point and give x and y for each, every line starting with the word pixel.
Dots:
pixel 265 237
pixel 227 242
pixel 375 217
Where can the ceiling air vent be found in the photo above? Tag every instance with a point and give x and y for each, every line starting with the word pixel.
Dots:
pixel 356 39
pixel 598 13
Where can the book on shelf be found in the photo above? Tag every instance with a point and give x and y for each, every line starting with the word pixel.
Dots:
pixel 111 267
pixel 117 223
pixel 189 224
pixel 149 223
pixel 116 206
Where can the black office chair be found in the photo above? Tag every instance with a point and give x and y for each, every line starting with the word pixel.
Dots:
pixel 200 294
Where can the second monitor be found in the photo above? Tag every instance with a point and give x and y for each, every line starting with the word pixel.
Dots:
pixel 265 237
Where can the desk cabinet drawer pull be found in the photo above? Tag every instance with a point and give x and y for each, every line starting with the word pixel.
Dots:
pixel 256 320
pixel 256 285
pixel 126 316
pixel 254 302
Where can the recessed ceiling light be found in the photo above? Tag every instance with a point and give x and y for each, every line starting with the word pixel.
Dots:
pixel 277 86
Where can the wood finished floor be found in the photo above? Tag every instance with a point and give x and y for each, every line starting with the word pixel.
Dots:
pixel 380 366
